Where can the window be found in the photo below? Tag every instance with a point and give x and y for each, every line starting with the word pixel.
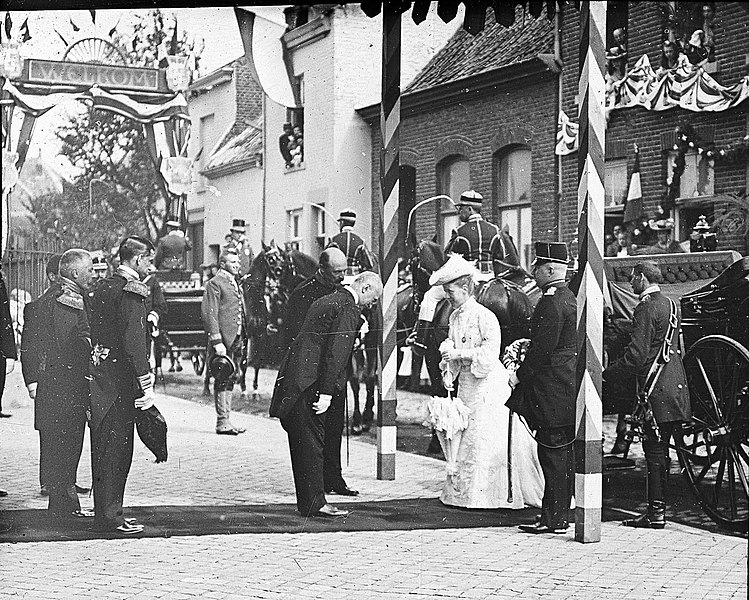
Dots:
pixel 698 176
pixel 295 116
pixel 205 136
pixel 615 181
pixel 513 187
pixel 294 218
pixel 454 179
pixel 319 218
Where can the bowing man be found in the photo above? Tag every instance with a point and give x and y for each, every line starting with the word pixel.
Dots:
pixel 313 371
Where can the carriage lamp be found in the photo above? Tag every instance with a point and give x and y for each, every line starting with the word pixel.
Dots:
pixel 11 63
pixel 177 73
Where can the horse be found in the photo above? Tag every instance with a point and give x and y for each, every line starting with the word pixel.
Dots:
pixel 511 297
pixel 364 370
pixel 273 275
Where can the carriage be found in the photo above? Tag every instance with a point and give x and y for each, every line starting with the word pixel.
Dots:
pixel 713 448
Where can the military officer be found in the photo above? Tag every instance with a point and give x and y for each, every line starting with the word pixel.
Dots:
pixel 170 254
pixel 224 316
pixel 476 240
pixel 56 350
pixel 654 343
pixel 122 379
pixel 545 385
pixel 238 243
pixel 358 255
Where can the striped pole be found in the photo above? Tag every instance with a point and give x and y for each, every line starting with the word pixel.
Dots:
pixel 590 207
pixel 388 233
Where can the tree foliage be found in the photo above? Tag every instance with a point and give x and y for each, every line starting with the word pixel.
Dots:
pixel 115 191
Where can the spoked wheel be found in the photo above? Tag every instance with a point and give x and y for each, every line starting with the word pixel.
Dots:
pixel 714 448
pixel 198 362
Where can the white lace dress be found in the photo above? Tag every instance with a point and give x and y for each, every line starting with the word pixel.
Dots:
pixel 486 476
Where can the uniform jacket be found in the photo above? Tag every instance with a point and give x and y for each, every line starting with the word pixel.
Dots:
pixel 670 398
pixel 479 240
pixel 171 250
pixel 311 289
pixel 244 251
pixel 7 337
pixel 119 334
pixel 155 301
pixel 320 353
pixel 223 309
pixel 55 354
pixel 546 393
pixel 358 256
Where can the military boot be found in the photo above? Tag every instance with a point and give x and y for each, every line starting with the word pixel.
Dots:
pixel 419 337
pixel 655 518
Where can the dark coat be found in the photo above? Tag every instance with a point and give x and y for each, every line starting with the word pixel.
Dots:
pixel 546 393
pixel 56 351
pixel 223 309
pixel 303 296
pixel 479 240
pixel 118 322
pixel 321 352
pixel 670 398
pixel 7 337
pixel 358 256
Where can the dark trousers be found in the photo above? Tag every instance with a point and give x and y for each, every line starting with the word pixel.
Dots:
pixel 558 465
pixel 60 452
pixel 111 457
pixel 2 381
pixel 656 458
pixel 44 460
pixel 306 431
pixel 334 419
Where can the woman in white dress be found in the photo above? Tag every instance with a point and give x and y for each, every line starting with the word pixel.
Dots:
pixel 484 474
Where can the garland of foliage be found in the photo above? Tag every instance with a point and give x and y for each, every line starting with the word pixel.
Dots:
pixel 687 140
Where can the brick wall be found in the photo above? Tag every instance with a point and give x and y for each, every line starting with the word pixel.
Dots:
pixel 532 104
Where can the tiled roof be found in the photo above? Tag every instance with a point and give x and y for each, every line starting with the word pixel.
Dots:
pixel 244 146
pixel 494 47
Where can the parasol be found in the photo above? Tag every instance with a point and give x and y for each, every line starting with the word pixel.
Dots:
pixel 449 418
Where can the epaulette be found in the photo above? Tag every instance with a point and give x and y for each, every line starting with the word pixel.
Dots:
pixel 71 299
pixel 645 298
pixel 551 291
pixel 137 287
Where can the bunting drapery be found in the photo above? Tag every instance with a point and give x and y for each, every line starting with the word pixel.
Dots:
pixel 566 135
pixel 684 86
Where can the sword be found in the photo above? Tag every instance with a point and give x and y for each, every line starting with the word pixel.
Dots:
pixel 509 459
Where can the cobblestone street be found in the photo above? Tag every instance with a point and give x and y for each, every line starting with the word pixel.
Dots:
pixel 227 479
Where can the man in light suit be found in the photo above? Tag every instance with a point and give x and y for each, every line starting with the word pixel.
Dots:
pixel 224 313
pixel 313 371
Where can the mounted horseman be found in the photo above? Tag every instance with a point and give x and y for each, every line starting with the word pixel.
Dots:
pixel 358 255
pixel 476 239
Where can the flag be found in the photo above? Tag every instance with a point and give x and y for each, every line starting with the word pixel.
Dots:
pixel 114 29
pixel 25 35
pixel 567 135
pixel 633 204
pixel 8 24
pixel 64 41
pixel 74 26
pixel 173 49
pixel 93 15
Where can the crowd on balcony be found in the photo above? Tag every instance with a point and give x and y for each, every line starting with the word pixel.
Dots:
pixel 291 145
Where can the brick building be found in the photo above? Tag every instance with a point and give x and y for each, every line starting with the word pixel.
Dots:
pixel 483 115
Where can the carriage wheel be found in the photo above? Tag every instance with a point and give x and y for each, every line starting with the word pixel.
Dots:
pixel 198 362
pixel 714 447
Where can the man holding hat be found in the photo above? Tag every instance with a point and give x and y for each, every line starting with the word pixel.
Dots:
pixel 476 240
pixel 358 256
pixel 238 243
pixel 545 385
pixel 172 247
pixel 665 244
pixel 223 311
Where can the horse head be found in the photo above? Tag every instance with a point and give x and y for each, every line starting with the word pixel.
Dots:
pixel 427 257
pixel 275 260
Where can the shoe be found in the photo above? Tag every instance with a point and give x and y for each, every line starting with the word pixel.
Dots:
pixel 81 490
pixel 232 431
pixel 84 513
pixel 331 511
pixel 342 490
pixel 3 493
pixel 655 518
pixel 129 528
pixel 539 528
pixel 5 415
pixel 131 521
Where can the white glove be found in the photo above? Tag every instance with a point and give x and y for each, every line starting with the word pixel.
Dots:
pixel 32 390
pixel 513 379
pixel 146 401
pixel 452 354
pixel 322 404
pixel 220 349
pixel 10 364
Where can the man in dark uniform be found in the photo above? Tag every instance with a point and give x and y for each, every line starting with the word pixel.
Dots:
pixel 238 243
pixel 656 324
pixel 122 379
pixel 326 280
pixel 170 253
pixel 476 240
pixel 358 255
pixel 312 372
pixel 545 385
pixel 224 317
pixel 56 349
